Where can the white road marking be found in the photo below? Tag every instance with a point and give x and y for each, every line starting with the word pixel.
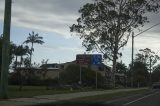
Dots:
pixel 140 98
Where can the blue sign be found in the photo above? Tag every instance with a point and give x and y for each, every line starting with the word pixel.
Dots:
pixel 96 59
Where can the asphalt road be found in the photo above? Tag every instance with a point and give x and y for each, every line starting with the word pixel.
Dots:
pixel 150 99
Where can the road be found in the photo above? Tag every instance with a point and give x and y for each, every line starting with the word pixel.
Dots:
pixel 151 99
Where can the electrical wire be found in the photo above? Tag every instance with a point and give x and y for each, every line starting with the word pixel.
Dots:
pixel 147 29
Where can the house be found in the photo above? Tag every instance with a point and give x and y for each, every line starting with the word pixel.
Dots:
pixel 53 70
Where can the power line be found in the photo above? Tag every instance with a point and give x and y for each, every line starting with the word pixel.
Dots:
pixel 147 29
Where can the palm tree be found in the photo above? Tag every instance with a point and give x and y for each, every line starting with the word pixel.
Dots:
pixel 33 38
pixel 20 51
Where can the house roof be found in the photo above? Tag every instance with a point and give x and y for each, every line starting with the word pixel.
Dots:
pixel 49 65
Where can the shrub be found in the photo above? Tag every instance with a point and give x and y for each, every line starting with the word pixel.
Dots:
pixel 71 76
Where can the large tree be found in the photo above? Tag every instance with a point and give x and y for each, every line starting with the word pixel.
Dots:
pixel 105 25
pixel 156 73
pixel 140 74
pixel 148 57
pixel 33 38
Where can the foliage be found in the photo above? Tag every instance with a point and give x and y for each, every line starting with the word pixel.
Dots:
pixel 12 45
pixel 156 73
pixel 15 78
pixel 147 56
pixel 140 74
pixel 25 77
pixel 105 25
pixel 20 51
pixel 43 71
pixel 71 76
pixel 33 38
pixel 121 68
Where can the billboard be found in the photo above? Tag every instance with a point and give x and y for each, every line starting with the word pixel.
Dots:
pixel 88 59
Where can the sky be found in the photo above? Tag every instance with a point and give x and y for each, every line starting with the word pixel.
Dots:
pixel 51 19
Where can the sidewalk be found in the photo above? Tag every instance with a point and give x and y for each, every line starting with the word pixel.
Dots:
pixel 57 97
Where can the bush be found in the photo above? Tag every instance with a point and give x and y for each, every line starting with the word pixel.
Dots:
pixel 71 76
pixel 16 79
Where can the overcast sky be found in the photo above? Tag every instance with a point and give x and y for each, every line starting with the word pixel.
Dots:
pixel 52 18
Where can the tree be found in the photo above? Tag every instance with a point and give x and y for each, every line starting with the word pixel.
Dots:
pixel 20 51
pixel 147 56
pixel 71 76
pixel 33 38
pixel 105 25
pixel 156 73
pixel 140 74
pixel 121 68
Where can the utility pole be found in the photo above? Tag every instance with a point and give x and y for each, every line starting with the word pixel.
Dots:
pixel 5 50
pixel 132 59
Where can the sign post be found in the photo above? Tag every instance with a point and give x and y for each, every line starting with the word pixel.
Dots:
pixel 88 59
pixel 96 60
pixel 82 59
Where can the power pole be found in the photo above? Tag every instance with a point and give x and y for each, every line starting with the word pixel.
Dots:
pixel 132 59
pixel 5 50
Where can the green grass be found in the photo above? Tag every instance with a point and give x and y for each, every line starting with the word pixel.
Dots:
pixel 105 97
pixel 30 91
pixel 97 100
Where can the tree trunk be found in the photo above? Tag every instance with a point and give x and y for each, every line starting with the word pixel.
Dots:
pixel 114 64
pixel 20 76
pixel 114 70
pixel 31 55
pixel 16 64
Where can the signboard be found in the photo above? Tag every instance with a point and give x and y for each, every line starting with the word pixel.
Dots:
pixel 87 59
pixel 96 59
pixel 83 59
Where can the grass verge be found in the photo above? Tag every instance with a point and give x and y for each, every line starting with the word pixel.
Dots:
pixel 96 100
pixel 30 91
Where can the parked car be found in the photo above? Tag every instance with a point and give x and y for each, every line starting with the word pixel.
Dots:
pixel 156 85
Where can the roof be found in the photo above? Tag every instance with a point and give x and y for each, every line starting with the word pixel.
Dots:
pixel 50 66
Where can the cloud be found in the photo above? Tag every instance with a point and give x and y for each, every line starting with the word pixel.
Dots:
pixel 45 15
pixel 49 15
pixel 57 15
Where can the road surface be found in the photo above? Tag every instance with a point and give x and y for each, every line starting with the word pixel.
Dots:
pixel 151 99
